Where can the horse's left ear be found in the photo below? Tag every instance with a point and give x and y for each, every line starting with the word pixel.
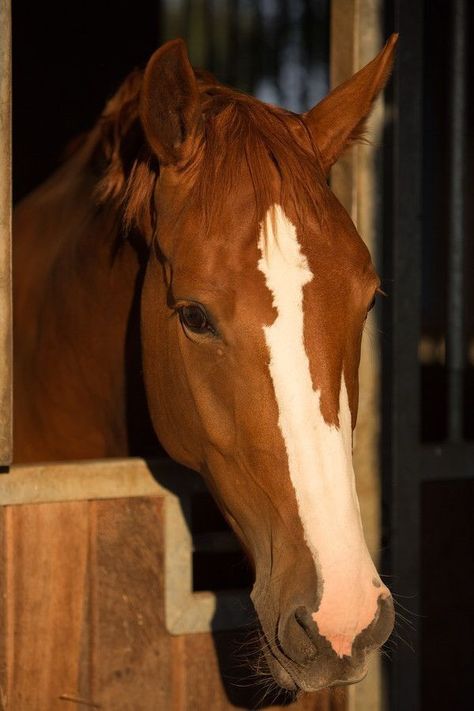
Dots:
pixel 339 119
pixel 170 106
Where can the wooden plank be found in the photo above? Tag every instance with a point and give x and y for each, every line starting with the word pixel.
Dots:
pixel 5 236
pixel 96 479
pixel 46 561
pixel 3 614
pixel 85 629
pixel 343 42
pixel 356 37
pixel 197 693
pixel 109 479
pixel 85 606
pixel 131 654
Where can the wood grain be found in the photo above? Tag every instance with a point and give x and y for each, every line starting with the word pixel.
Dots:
pixel 131 655
pixel 46 550
pixel 3 614
pixel 83 618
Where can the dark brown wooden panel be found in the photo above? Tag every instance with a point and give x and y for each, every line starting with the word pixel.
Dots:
pixel 131 658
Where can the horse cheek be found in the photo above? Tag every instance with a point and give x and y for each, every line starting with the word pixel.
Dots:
pixel 167 391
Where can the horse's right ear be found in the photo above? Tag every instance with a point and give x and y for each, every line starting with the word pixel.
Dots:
pixel 339 119
pixel 170 107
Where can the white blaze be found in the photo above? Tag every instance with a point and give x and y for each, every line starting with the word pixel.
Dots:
pixel 319 455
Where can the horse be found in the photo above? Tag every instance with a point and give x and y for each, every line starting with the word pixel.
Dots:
pixel 188 263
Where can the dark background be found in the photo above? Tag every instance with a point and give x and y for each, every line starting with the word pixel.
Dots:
pixel 69 58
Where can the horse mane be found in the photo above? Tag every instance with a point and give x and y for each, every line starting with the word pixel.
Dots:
pixel 127 169
pixel 240 132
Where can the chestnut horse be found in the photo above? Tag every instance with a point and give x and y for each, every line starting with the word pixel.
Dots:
pixel 211 211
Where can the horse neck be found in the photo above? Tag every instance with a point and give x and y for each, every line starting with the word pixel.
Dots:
pixel 76 304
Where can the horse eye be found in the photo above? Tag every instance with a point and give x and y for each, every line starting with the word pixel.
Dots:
pixel 195 319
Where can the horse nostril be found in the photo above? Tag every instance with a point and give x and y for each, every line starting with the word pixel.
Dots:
pixel 297 636
pixel 305 620
pixel 380 628
pixel 306 623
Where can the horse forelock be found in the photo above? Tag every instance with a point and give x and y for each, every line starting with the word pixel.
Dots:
pixel 244 135
pixel 240 134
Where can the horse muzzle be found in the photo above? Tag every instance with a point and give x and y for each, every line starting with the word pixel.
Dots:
pixel 301 658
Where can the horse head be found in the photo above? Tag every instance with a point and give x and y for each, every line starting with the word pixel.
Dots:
pixel 255 296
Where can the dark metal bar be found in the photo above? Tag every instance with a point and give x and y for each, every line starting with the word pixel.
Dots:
pixel 210 28
pixel 455 350
pixel 401 373
pixel 233 43
pixel 449 461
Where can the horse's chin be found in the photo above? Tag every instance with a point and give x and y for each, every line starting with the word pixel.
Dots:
pixel 285 680
pixel 280 674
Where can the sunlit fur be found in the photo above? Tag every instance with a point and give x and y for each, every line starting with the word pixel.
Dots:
pixel 319 454
pixel 162 204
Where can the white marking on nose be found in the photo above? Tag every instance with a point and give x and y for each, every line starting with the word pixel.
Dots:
pixel 319 455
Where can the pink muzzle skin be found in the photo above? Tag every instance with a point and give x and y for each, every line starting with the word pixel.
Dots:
pixel 341 617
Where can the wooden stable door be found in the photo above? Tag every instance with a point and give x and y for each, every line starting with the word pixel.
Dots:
pixel 82 591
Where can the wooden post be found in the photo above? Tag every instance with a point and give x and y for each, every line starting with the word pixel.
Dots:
pixel 5 236
pixel 356 37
